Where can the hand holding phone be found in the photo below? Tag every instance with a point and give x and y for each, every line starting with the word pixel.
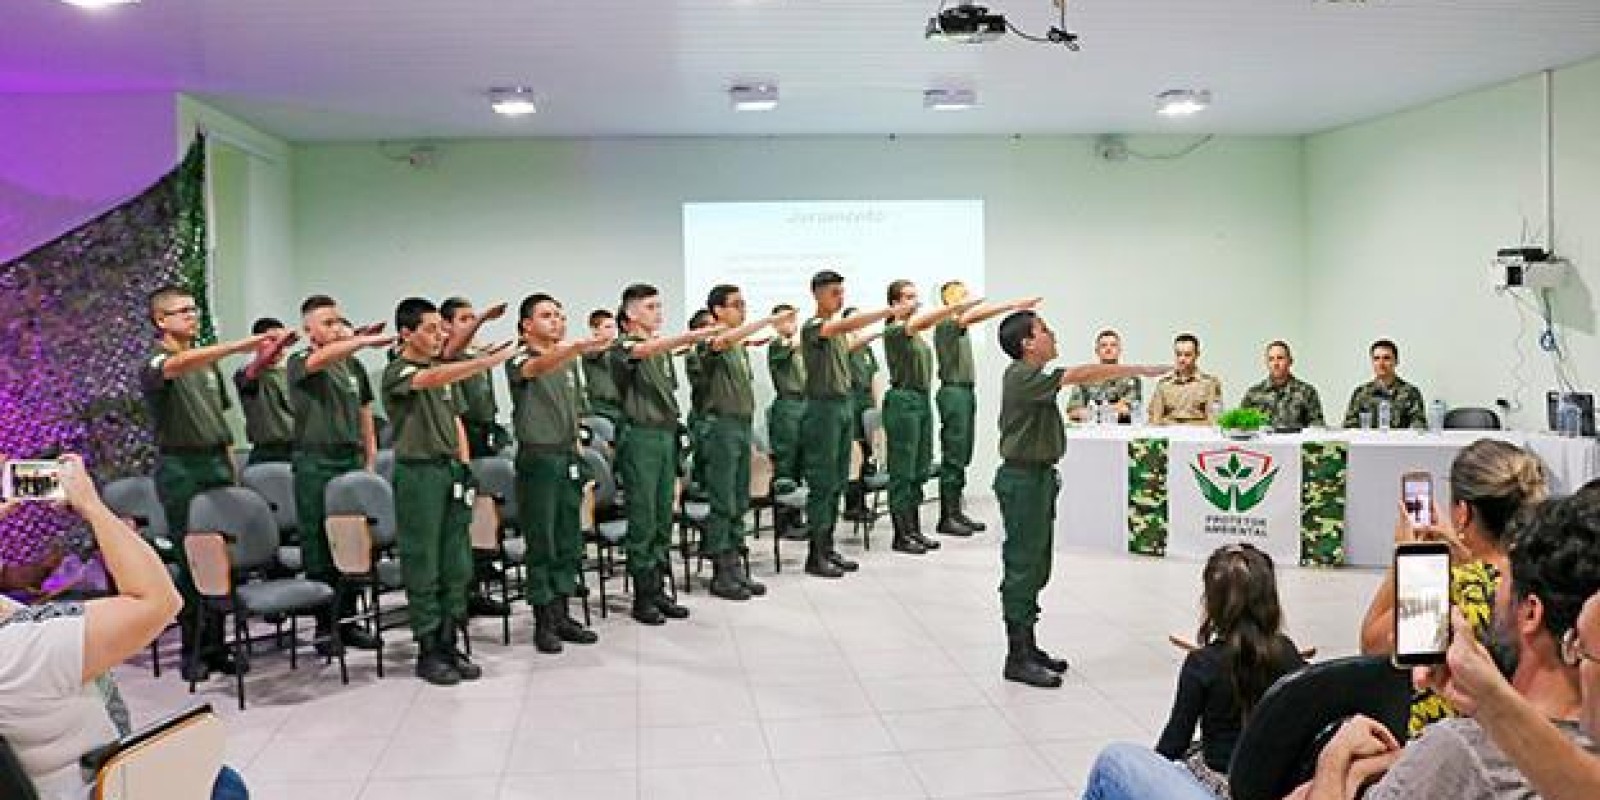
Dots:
pixel 1421 603
pixel 31 481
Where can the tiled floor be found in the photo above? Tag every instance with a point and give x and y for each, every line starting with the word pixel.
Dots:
pixel 882 685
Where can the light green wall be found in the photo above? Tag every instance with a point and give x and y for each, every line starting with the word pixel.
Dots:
pixel 1405 214
pixel 1210 243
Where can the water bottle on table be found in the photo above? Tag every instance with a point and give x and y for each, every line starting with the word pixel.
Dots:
pixel 1436 411
pixel 1385 412
pixel 1569 417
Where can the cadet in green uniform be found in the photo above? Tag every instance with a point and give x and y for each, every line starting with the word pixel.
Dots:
pixel 334 434
pixel 432 487
pixel 958 406
pixel 1121 393
pixel 264 396
pixel 787 369
pixel 599 386
pixel 908 412
pixel 1290 402
pixel 863 398
pixel 188 398
pixel 727 406
pixel 545 401
pixel 825 345
pixel 461 323
pixel 1032 440
pixel 647 460
pixel 694 370
pixel 1405 400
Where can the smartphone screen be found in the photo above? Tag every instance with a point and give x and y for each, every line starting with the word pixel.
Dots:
pixel 32 480
pixel 1416 491
pixel 1422 603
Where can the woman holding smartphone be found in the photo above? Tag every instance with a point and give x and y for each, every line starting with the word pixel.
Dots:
pixel 1490 482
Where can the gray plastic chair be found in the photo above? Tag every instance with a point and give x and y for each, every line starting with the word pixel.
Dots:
pixel 1472 419
pixel 497 478
pixel 134 498
pixel 385 465
pixel 274 481
pixel 363 494
pixel 232 539
pixel 609 527
pixel 603 431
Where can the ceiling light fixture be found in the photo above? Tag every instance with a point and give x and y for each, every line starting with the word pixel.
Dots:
pixel 512 101
pixel 1182 102
pixel 949 99
pixel 753 96
pixel 95 5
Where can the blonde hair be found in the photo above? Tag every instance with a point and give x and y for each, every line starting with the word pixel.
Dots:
pixel 1497 479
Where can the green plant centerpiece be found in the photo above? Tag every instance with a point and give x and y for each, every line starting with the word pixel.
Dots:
pixel 1243 423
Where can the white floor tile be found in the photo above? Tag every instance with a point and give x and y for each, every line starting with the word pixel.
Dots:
pixel 828 736
pixel 661 748
pixel 953 773
pixel 883 777
pixel 569 785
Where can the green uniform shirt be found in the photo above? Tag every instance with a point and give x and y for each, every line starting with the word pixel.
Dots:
pixel 728 381
pixel 695 370
pixel 477 392
pixel 1405 404
pixel 827 361
pixel 1112 391
pixel 954 346
pixel 648 386
pixel 329 401
pixel 1030 424
pixel 598 383
pixel 863 366
pixel 544 410
pixel 787 369
pixel 424 420
pixel 910 358
pixel 268 415
pixel 187 410
pixel 1295 404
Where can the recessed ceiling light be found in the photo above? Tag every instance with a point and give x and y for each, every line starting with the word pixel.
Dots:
pixel 512 101
pixel 1182 102
pixel 98 4
pixel 753 96
pixel 949 99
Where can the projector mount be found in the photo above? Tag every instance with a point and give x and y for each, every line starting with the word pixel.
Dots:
pixel 969 23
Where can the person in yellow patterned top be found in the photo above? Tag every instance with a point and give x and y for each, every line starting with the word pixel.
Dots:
pixel 1490 482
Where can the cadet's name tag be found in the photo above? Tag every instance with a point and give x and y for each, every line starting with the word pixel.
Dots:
pixel 572 471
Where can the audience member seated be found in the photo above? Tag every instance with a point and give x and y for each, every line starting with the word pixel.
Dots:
pixel 1490 481
pixel 56 698
pixel 1555 568
pixel 1244 653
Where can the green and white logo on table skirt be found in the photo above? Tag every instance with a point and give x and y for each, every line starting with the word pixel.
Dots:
pixel 1233 479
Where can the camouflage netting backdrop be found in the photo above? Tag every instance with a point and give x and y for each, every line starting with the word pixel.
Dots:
pixel 73 330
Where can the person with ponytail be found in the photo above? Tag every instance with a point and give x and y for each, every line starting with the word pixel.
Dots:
pixel 1491 481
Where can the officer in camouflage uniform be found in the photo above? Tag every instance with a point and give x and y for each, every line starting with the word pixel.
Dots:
pixel 825 345
pixel 647 458
pixel 1291 403
pixel 433 487
pixel 788 409
pixel 1032 441
pixel 1121 393
pixel 545 403
pixel 599 387
pixel 264 398
pixel 958 405
pixel 1405 401
pixel 723 453
pixel 863 398
pixel 333 434
pixel 188 401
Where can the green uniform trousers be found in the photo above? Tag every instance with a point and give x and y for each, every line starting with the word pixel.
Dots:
pixel 435 547
pixel 1027 495
pixel 827 427
pixel 957 407
pixel 908 426
pixel 726 446
pixel 271 453
pixel 179 477
pixel 647 463
pixel 696 424
pixel 312 472
pixel 784 418
pixel 549 492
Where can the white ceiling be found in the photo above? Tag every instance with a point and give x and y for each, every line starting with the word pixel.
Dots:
pixel 407 69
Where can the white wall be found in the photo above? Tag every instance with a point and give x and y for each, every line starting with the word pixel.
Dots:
pixel 1210 243
pixel 1404 215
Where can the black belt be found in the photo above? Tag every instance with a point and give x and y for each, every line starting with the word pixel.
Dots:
pixel 330 449
pixel 211 450
pixel 425 462
pixel 957 384
pixel 904 388
pixel 828 398
pixel 545 449
pixel 791 396
pixel 745 418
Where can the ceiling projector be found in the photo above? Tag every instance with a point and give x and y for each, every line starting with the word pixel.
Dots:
pixel 966 24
